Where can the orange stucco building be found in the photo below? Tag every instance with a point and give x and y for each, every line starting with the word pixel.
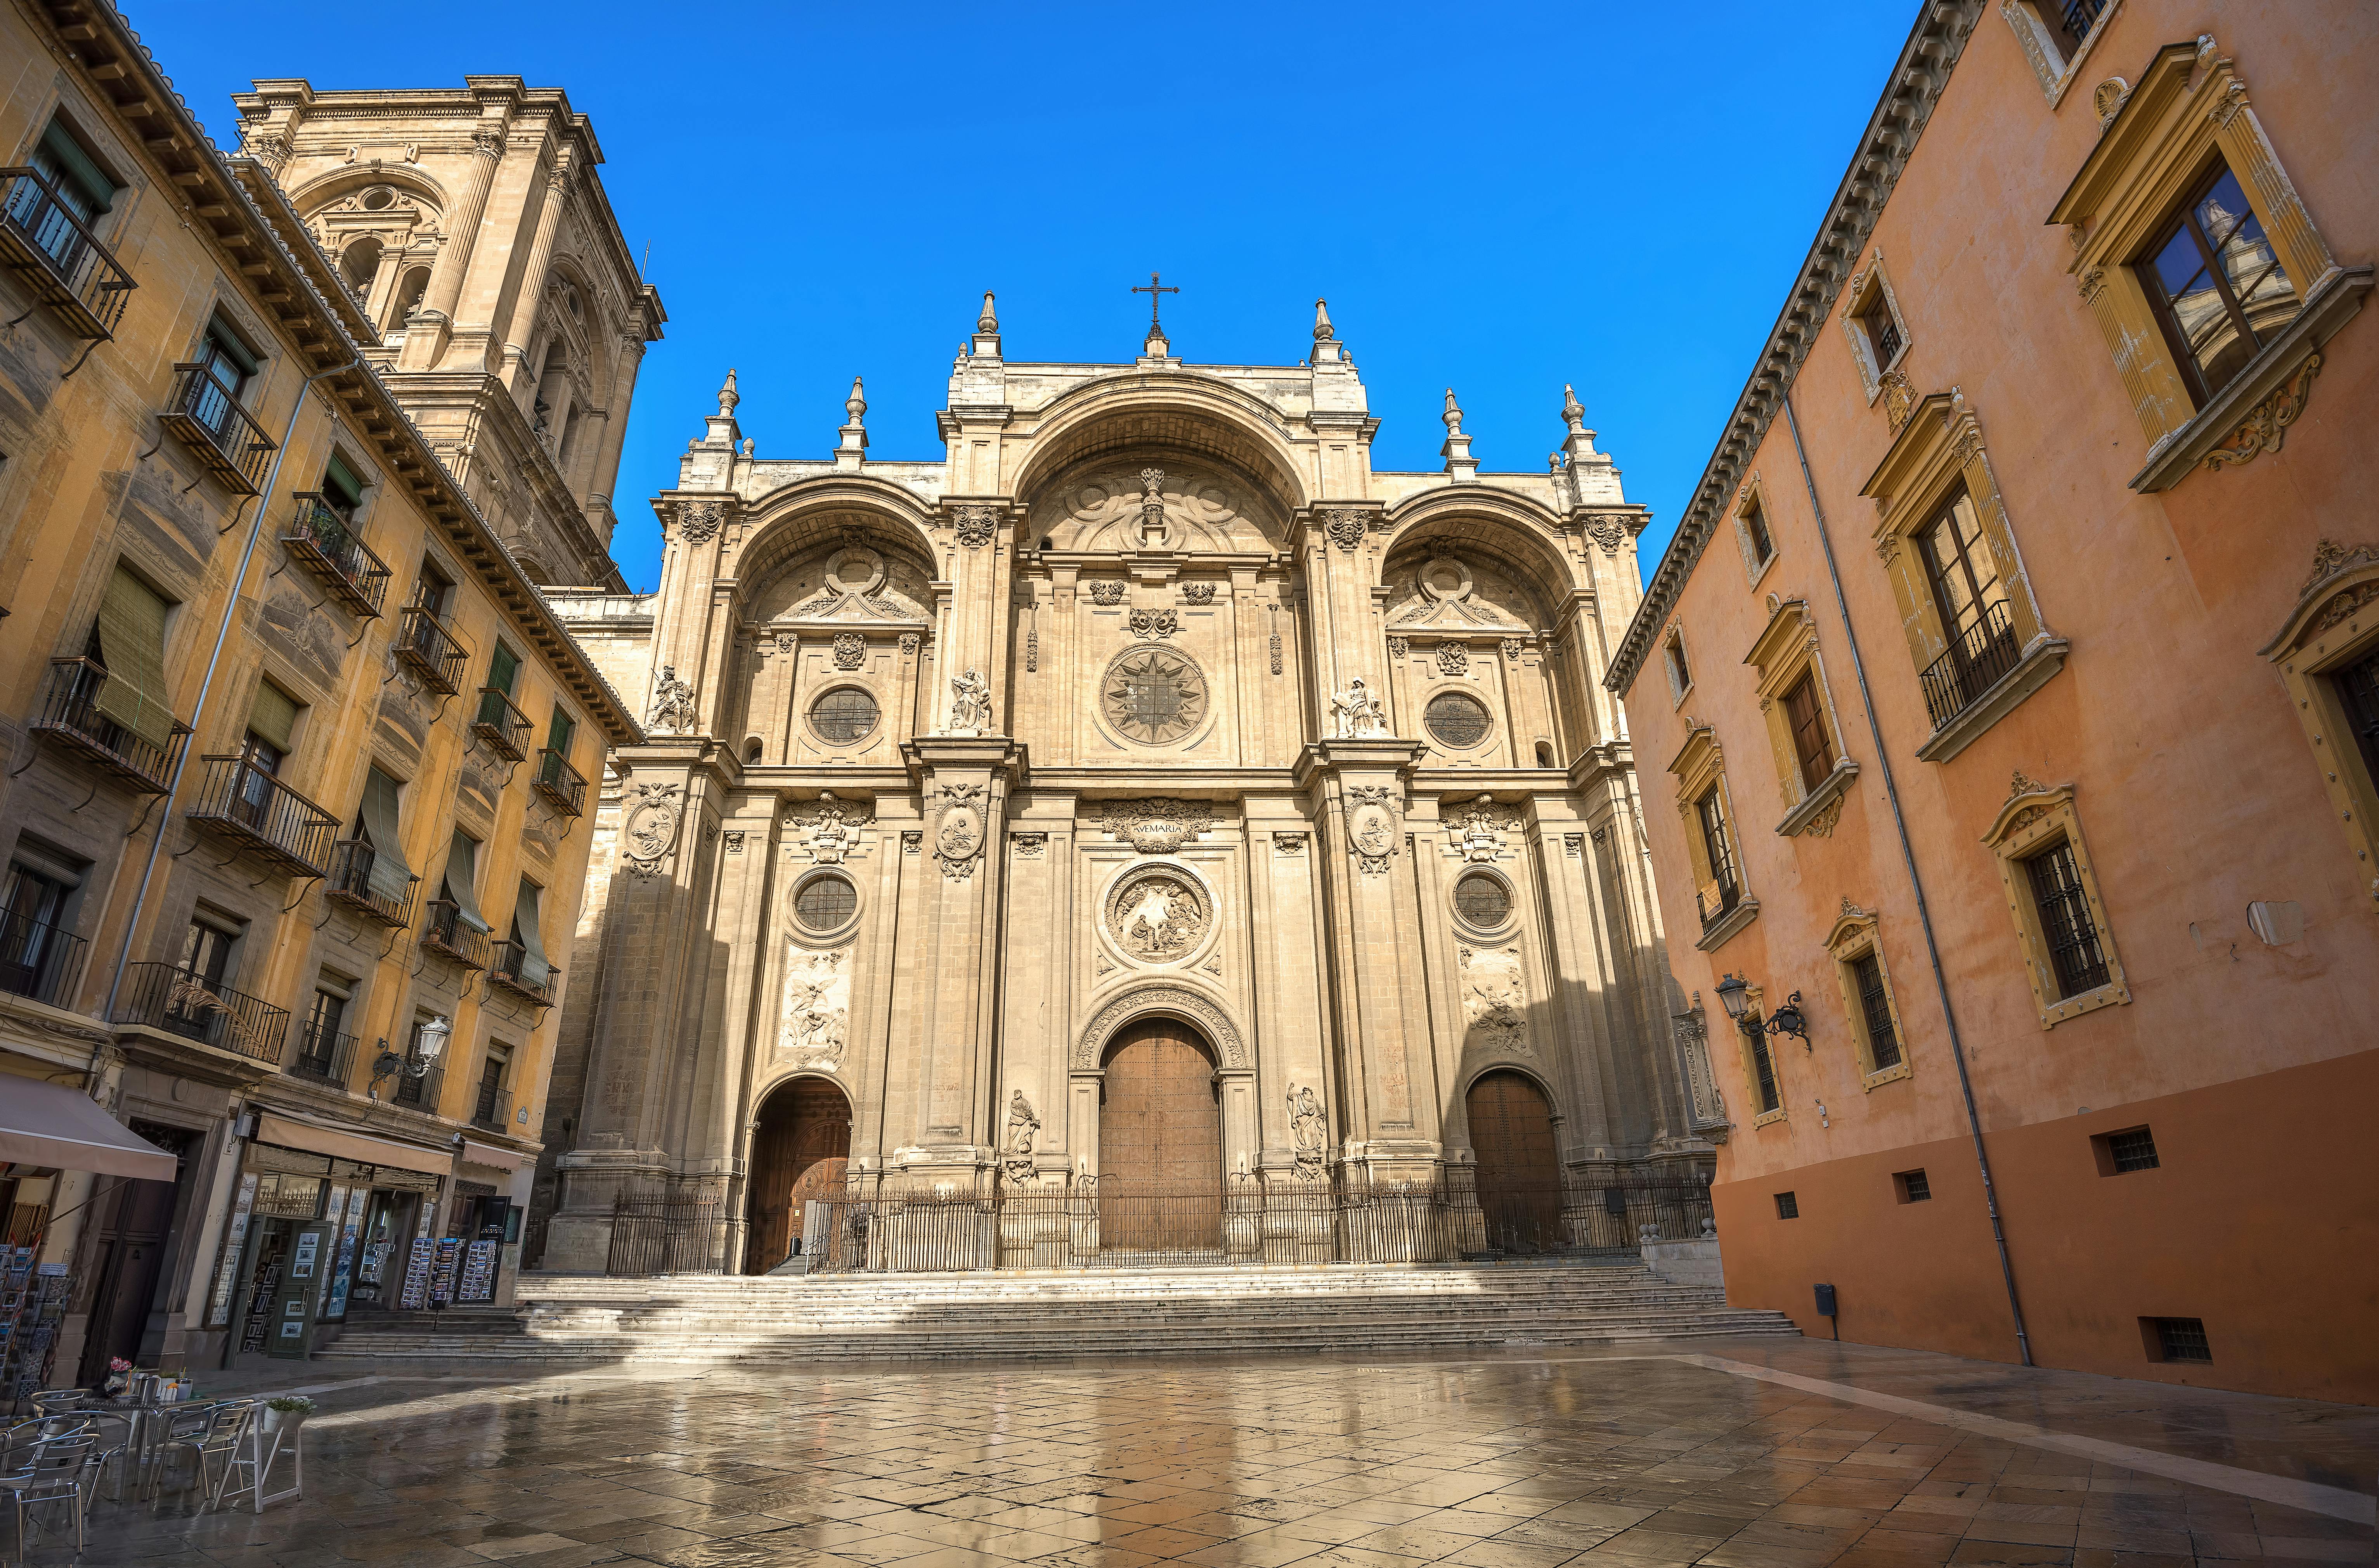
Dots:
pixel 2015 672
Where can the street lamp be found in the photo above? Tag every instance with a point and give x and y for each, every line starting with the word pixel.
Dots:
pixel 1735 993
pixel 428 1044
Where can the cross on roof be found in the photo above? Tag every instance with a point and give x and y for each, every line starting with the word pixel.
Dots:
pixel 1155 297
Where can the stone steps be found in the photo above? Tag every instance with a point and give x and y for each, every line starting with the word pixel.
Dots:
pixel 795 1320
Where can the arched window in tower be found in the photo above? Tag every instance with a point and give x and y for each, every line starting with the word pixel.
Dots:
pixel 408 297
pixel 360 265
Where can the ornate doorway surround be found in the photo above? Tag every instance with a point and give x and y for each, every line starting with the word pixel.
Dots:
pixel 801 1143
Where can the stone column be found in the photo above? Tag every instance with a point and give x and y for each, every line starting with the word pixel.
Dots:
pixel 520 377
pixel 432 327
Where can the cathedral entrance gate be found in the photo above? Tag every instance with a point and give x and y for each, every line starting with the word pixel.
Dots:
pixel 1519 1166
pixel 800 1144
pixel 1161 1142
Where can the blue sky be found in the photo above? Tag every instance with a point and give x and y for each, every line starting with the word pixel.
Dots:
pixel 1498 199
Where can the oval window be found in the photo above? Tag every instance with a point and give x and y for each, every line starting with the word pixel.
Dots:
pixel 1481 901
pixel 844 715
pixel 825 903
pixel 1456 719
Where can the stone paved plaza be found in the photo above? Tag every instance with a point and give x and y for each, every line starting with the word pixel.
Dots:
pixel 1779 1454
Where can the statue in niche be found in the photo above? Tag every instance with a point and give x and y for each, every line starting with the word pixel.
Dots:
pixel 1356 713
pixel 1022 1128
pixel 1308 1132
pixel 673 703
pixel 970 705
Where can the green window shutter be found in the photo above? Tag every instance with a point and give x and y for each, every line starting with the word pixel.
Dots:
pixel 533 966
pixel 381 816
pixel 462 859
pixel 132 645
pixel 273 717
pixel 339 483
pixel 61 157
pixel 561 732
pixel 501 668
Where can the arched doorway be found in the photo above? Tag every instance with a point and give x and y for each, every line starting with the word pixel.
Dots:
pixel 800 1149
pixel 1519 1166
pixel 1160 1141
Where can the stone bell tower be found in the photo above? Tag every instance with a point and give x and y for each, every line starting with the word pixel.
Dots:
pixel 470 224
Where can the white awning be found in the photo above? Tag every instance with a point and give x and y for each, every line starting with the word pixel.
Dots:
pixel 291 1133
pixel 477 1154
pixel 49 1124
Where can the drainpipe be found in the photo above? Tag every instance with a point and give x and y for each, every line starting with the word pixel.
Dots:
pixel 1924 910
pixel 206 686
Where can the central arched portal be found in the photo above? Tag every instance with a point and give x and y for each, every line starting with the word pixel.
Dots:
pixel 1161 1141
pixel 1519 1165
pixel 801 1145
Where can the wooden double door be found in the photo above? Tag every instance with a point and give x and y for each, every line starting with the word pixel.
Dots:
pixel 799 1153
pixel 1520 1163
pixel 1160 1143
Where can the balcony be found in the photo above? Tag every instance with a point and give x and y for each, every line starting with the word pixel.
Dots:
pixel 205 417
pixel 69 716
pixel 561 784
pixel 1716 901
pixel 239 801
pixel 1981 657
pixel 323 1055
pixel 505 962
pixel 164 997
pixel 504 727
pixel 325 545
pixel 491 1108
pixel 60 260
pixel 430 651
pixel 443 930
pixel 417 1086
pixel 40 962
pixel 351 869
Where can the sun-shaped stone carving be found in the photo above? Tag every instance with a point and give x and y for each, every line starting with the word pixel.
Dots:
pixel 1153 694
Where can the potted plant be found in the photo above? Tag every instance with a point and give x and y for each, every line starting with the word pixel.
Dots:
pixel 284 1414
pixel 119 1376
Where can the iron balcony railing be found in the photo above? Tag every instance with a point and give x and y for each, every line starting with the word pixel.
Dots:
pixel 206 418
pixel 491 1107
pixel 1976 662
pixel 1461 1214
pixel 506 963
pixel 351 867
pixel 242 802
pixel 443 930
pixel 433 653
pixel 39 961
pixel 418 1091
pixel 561 783
pixel 69 716
pixel 165 997
pixel 325 543
pixel 1717 901
pixel 2081 16
pixel 504 727
pixel 323 1054
pixel 43 242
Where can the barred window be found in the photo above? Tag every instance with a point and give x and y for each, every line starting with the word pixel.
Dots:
pixel 1875 1009
pixel 844 715
pixel 1813 748
pixel 1480 899
pixel 1763 1066
pixel 825 903
pixel 2077 961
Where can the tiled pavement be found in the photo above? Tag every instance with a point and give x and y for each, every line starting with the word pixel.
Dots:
pixel 1621 1460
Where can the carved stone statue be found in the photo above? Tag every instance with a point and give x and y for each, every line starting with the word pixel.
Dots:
pixel 673 703
pixel 1355 713
pixel 970 705
pixel 1308 1132
pixel 1022 1128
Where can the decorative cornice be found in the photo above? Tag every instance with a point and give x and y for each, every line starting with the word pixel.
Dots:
pixel 1915 86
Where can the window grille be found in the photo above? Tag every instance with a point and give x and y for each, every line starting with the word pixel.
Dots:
pixel 1812 747
pixel 2183 1339
pixel 844 715
pixel 2076 960
pixel 1458 720
pixel 1481 900
pixel 1875 1008
pixel 1883 331
pixel 2133 1150
pixel 1755 523
pixel 1763 1065
pixel 825 903
pixel 2358 691
pixel 1915 1187
pixel 1788 1206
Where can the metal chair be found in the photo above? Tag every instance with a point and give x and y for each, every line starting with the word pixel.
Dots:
pixel 121 1438
pixel 205 1431
pixel 56 1470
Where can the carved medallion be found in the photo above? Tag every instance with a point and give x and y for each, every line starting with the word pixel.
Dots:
pixel 958 835
pixel 1158 915
pixel 850 650
pixel 1157 826
pixel 650 828
pixel 1153 696
pixel 1371 827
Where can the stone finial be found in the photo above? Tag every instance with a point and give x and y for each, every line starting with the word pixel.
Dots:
pixel 1577 443
pixel 1323 330
pixel 856 404
pixel 984 345
pixel 727 396
pixel 1453 415
pixel 852 449
pixel 1572 414
pixel 1460 465
pixel 990 321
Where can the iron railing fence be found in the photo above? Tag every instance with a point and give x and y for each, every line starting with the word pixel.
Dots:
pixel 351 884
pixel 207 418
pixel 1974 663
pixel 503 725
pixel 417 1086
pixel 66 267
pixel 323 1054
pixel 326 544
pixel 508 966
pixel 666 1235
pixel 1250 1220
pixel 240 800
pixel 443 930
pixel 69 716
pixel 560 783
pixel 39 961
pixel 166 996
pixel 435 655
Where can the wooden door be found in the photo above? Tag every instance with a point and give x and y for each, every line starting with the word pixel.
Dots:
pixel 802 1124
pixel 1161 1144
pixel 130 1252
pixel 1519 1166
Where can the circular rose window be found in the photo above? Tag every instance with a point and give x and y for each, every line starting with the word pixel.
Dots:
pixel 1456 719
pixel 1481 901
pixel 825 903
pixel 1153 696
pixel 843 714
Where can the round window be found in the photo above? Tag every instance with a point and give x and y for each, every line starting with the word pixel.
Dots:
pixel 378 198
pixel 825 903
pixel 844 715
pixel 1481 901
pixel 1458 720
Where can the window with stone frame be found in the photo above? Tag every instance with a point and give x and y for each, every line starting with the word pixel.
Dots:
pixel 2052 895
pixel 1870 1005
pixel 2327 651
pixel 1722 901
pixel 2055 35
pixel 1873 325
pixel 1974 630
pixel 1753 531
pixel 1812 773
pixel 1674 662
pixel 2210 283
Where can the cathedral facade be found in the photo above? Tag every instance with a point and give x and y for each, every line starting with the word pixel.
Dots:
pixel 1148 796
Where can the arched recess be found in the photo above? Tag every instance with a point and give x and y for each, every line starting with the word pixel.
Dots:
pixel 1474 593
pixel 1194 415
pixel 801 1146
pixel 810 513
pixel 1510 1117
pixel 1159 1140
pixel 418 184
